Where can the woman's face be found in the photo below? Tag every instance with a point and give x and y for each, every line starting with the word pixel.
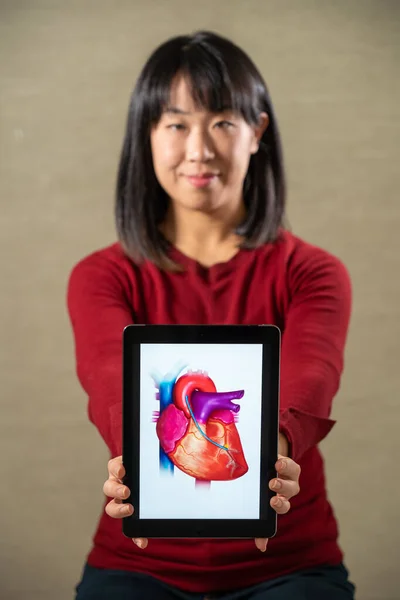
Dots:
pixel 201 158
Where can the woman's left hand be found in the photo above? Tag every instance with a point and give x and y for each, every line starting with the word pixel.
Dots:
pixel 286 485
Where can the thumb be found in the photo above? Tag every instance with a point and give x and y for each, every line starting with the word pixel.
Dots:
pixel 261 544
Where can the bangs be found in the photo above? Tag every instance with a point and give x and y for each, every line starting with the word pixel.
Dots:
pixel 217 82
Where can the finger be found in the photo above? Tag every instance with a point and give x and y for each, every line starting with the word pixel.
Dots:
pixel 261 544
pixel 116 469
pixel 284 487
pixel 140 542
pixel 114 489
pixel 280 505
pixel 117 510
pixel 288 468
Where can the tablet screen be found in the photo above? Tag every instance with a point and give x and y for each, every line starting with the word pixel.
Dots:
pixel 200 431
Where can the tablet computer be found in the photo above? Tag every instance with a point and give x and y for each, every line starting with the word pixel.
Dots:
pixel 200 429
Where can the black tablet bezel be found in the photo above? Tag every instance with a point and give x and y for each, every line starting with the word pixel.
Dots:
pixel 270 338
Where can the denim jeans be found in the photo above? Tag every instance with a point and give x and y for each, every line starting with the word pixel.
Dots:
pixel 319 583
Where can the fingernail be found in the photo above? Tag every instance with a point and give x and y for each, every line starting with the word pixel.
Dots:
pixel 121 492
pixel 278 503
pixel 282 465
pixel 276 485
pixel 139 543
pixel 126 509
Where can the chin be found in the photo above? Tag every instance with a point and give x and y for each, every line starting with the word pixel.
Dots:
pixel 207 207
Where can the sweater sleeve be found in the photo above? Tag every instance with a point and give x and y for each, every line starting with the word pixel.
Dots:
pixel 99 311
pixel 313 344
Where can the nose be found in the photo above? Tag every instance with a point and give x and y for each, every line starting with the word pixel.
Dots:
pixel 199 146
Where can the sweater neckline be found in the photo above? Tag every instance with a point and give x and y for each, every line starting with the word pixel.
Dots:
pixel 213 272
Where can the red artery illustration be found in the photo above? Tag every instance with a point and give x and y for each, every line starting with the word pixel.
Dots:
pixel 198 432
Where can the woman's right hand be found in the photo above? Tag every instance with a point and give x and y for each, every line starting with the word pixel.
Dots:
pixel 115 489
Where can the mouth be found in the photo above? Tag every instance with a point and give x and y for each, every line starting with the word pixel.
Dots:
pixel 201 179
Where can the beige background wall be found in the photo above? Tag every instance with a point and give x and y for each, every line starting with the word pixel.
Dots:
pixel 66 71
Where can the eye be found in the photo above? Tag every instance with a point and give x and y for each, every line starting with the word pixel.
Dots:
pixel 176 127
pixel 224 125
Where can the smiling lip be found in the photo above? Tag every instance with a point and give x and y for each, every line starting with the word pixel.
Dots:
pixel 201 180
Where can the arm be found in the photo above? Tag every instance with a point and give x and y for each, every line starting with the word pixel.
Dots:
pixel 312 348
pixel 99 311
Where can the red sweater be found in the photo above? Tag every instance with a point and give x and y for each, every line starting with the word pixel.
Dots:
pixel 297 286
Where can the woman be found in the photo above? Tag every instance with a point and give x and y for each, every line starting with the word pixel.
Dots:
pixel 199 212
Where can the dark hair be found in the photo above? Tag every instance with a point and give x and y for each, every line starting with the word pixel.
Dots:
pixel 221 76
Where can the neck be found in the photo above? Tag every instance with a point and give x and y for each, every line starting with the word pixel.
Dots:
pixel 206 238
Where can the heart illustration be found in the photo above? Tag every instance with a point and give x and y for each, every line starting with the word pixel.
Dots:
pixel 196 428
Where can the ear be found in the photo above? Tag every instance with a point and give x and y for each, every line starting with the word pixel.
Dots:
pixel 258 132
